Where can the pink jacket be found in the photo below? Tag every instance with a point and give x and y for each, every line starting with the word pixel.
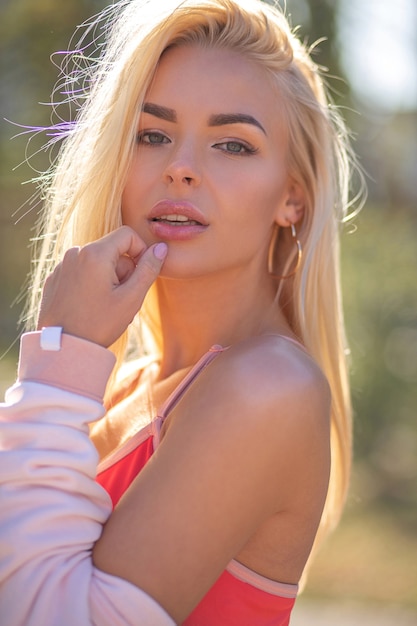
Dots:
pixel 51 508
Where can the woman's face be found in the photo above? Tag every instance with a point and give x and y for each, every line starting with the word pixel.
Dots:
pixel 209 172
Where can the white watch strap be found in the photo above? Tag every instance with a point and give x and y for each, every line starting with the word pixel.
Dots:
pixel 51 338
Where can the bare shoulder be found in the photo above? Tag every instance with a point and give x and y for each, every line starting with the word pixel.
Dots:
pixel 277 362
pixel 265 394
pixel 269 376
pixel 243 464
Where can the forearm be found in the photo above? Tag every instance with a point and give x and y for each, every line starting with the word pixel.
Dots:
pixel 52 510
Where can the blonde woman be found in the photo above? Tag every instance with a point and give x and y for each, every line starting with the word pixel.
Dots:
pixel 196 203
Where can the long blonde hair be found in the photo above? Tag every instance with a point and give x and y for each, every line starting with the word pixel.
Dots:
pixel 84 187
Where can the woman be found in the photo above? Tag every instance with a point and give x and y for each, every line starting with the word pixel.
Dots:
pixel 205 147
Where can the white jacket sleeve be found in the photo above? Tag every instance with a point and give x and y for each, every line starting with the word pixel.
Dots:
pixel 51 508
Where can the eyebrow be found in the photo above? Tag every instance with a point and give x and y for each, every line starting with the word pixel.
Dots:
pixel 159 111
pixel 219 119
pixel 222 119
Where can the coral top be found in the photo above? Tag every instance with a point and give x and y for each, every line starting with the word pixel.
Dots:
pixel 239 596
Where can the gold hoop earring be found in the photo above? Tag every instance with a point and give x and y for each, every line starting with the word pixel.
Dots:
pixel 272 250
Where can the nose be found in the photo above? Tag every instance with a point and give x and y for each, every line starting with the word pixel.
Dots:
pixel 183 168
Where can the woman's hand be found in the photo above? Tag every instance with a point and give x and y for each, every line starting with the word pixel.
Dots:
pixel 96 291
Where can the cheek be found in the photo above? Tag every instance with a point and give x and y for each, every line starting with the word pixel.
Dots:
pixel 273 186
pixel 132 194
pixel 261 195
pixel 126 206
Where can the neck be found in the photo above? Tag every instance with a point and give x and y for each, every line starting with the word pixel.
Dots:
pixel 199 312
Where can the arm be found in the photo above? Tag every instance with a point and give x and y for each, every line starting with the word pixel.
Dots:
pixel 205 492
pixel 52 510
pixel 248 442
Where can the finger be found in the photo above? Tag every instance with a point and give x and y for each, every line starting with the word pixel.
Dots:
pixel 122 241
pixel 126 241
pixel 146 272
pixel 125 266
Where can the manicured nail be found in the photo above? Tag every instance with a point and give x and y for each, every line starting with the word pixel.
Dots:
pixel 160 251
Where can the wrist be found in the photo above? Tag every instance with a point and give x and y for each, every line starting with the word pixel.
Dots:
pixel 55 358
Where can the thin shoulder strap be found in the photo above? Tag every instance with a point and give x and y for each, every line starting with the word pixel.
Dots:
pixel 179 391
pixel 294 341
pixel 207 358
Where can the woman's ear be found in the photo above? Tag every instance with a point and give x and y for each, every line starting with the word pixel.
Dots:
pixel 292 207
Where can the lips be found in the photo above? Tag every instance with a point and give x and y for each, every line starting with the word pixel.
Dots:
pixel 174 211
pixel 173 220
pixel 176 220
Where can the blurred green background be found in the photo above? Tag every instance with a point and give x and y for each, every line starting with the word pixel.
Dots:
pixel 370 562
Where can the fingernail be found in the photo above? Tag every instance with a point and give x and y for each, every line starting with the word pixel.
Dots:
pixel 160 251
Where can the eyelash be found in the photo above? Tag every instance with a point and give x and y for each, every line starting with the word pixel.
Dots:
pixel 247 149
pixel 148 133
pixel 244 148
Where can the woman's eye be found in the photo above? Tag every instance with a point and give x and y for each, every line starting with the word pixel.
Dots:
pixel 151 138
pixel 235 147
